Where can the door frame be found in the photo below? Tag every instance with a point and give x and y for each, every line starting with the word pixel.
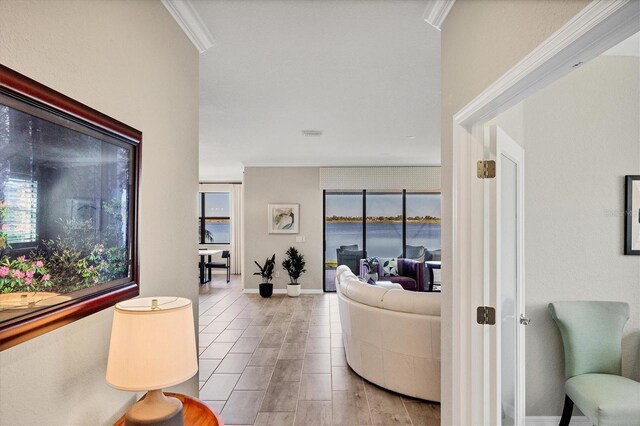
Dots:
pixel 599 26
pixel 515 153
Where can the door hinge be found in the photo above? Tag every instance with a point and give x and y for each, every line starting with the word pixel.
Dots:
pixel 486 315
pixel 486 169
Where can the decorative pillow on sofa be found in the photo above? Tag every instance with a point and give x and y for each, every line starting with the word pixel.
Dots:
pixel 389 267
pixel 371 281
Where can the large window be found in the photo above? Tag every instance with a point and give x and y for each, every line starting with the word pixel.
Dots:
pixel 214 221
pixel 384 224
pixel 423 222
pixel 381 224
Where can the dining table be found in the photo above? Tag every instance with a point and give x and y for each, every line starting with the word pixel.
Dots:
pixel 203 253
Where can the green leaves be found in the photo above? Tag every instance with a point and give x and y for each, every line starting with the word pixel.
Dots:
pixel 266 271
pixel 294 264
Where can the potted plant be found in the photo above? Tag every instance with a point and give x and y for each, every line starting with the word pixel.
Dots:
pixel 371 263
pixel 294 265
pixel 266 272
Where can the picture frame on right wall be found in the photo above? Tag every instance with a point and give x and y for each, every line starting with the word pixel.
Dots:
pixel 632 215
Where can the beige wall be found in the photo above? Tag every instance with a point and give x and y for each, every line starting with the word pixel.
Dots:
pixel 264 185
pixel 130 60
pixel 581 139
pixel 481 40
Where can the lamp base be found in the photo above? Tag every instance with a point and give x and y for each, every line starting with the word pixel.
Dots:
pixel 155 409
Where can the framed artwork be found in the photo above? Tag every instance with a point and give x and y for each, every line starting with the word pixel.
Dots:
pixel 68 209
pixel 632 215
pixel 283 218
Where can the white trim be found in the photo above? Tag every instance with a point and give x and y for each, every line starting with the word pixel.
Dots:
pixel 436 12
pixel 502 145
pixel 189 20
pixel 554 421
pixel 599 26
pixel 284 291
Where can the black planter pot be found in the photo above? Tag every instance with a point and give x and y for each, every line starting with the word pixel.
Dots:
pixel 266 289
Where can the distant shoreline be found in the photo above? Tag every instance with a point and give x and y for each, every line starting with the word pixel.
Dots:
pixel 424 221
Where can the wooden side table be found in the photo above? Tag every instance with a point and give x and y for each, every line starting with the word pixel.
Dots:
pixel 196 412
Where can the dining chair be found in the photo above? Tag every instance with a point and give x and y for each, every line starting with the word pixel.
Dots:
pixel 222 265
pixel 592 338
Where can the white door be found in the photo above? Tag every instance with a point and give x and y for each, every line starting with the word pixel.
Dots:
pixel 505 283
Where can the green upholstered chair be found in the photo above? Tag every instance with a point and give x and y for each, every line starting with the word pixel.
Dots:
pixel 592 339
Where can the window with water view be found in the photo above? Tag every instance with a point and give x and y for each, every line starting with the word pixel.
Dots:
pixel 215 218
pixel 396 224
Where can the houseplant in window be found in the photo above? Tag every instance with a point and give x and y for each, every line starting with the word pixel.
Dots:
pixel 266 272
pixel 294 265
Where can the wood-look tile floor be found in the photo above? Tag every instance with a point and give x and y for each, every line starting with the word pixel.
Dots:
pixel 280 362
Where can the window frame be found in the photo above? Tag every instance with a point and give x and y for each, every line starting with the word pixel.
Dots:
pixel 364 192
pixel 202 219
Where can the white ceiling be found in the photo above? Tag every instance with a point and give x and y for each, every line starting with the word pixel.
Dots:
pixel 365 72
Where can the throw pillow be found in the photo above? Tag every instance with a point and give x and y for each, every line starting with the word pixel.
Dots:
pixel 371 281
pixel 389 267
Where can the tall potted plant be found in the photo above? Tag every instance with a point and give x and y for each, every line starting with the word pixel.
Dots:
pixel 266 272
pixel 294 265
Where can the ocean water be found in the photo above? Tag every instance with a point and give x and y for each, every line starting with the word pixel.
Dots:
pixel 221 231
pixel 383 239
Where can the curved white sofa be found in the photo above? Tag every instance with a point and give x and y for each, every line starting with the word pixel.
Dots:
pixel 391 336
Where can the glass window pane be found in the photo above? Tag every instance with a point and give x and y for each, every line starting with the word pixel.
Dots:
pixel 343 233
pixel 216 204
pixel 217 231
pixel 217 221
pixel 384 224
pixel 423 223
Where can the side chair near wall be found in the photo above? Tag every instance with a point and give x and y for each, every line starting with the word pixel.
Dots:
pixel 592 339
pixel 226 255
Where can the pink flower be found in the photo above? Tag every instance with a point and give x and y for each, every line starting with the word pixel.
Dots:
pixel 27 281
pixel 46 277
pixel 30 273
pixel 22 258
pixel 4 271
pixel 5 227
pixel 17 274
pixel 39 264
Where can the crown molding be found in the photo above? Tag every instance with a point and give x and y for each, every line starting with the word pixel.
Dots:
pixel 594 30
pixel 189 20
pixel 436 12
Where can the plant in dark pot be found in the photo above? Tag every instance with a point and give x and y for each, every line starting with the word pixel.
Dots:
pixel 371 264
pixel 266 272
pixel 294 265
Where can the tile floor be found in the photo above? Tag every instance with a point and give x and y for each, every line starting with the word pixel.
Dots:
pixel 280 362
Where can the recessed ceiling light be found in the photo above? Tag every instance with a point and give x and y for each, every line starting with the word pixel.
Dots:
pixel 312 133
pixel 409 138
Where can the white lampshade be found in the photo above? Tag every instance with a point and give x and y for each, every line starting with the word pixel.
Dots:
pixel 152 348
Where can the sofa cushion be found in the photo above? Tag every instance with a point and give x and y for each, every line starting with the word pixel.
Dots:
pixel 407 283
pixel 389 266
pixel 360 292
pixel 606 399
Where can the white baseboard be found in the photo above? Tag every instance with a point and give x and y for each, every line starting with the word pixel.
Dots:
pixel 284 291
pixel 555 421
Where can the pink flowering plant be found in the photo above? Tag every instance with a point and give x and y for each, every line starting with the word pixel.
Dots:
pixel 22 274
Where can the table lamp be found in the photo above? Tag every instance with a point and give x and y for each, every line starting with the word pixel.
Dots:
pixel 153 346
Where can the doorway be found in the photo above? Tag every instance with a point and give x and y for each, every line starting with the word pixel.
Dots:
pixel 476 218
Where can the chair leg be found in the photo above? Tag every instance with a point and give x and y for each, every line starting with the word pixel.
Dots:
pixel 228 275
pixel 566 411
